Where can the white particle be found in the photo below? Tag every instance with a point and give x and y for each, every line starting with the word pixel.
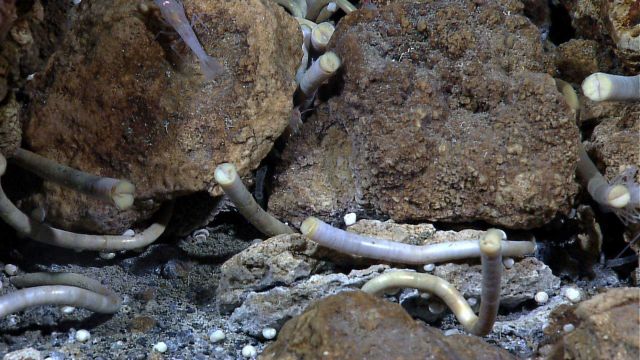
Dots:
pixel 68 309
pixel 216 336
pixel 160 347
pixel 129 232
pixel 10 269
pixel 572 294
pixel 269 333
pixel 472 301
pixel 31 76
pixel 83 335
pixel 429 267
pixel 451 332
pixel 568 328
pixel 350 219
pixel 508 262
pixel 541 297
pixel 107 255
pixel 249 351
pixel 77 2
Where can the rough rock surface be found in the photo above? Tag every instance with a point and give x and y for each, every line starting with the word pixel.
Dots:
pixel 519 284
pixel 165 127
pixel 613 145
pixel 606 327
pixel 280 260
pixel 355 325
pixel 615 22
pixel 446 113
pixel 272 308
pixel 578 58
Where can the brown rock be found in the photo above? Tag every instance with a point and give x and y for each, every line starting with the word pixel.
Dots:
pixel 280 260
pixel 576 59
pixel 456 123
pixel 114 101
pixel 614 23
pixel 606 327
pixel 355 325
pixel 10 127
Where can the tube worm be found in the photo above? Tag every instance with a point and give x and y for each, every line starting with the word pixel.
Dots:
pixel 491 256
pixel 392 251
pixel 603 87
pixel 227 177
pixel 320 71
pixel 59 289
pixel 115 191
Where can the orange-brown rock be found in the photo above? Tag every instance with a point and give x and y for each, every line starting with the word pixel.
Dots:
pixel 125 98
pixel 446 112
pixel 607 326
pixel 355 325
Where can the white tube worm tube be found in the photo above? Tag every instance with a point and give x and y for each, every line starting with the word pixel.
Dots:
pixel 44 233
pixel 116 191
pixel 320 71
pixel 354 244
pixel 59 289
pixel 320 36
pixel 490 298
pixel 227 177
pixel 603 87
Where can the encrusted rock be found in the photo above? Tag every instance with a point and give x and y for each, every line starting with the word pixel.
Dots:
pixel 23 354
pixel 355 325
pixel 278 261
pixel 272 308
pixel 578 58
pixel 614 142
pixel 122 98
pixel 606 327
pixel 10 127
pixel 615 22
pixel 445 112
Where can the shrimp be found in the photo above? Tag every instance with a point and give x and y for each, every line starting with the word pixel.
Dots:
pixel 173 13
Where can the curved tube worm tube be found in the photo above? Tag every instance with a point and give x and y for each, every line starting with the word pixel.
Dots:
pixel 297 8
pixel 621 195
pixel 490 299
pixel 354 244
pixel 320 71
pixel 327 12
pixel 616 196
pixel 314 7
pixel 603 87
pixel 227 177
pixel 320 36
pixel 115 191
pixel 59 289
pixel 44 233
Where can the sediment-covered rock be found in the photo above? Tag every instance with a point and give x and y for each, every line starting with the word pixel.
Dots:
pixel 605 327
pixel 446 112
pixel 355 325
pixel 124 98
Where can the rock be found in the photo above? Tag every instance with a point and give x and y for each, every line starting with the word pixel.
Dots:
pixel 606 327
pixel 23 354
pixel 614 142
pixel 10 127
pixel 578 58
pixel 614 23
pixel 273 307
pixel 446 113
pixel 278 261
pixel 165 127
pixel 519 284
pixel 329 328
pixel 306 186
pixel 518 332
